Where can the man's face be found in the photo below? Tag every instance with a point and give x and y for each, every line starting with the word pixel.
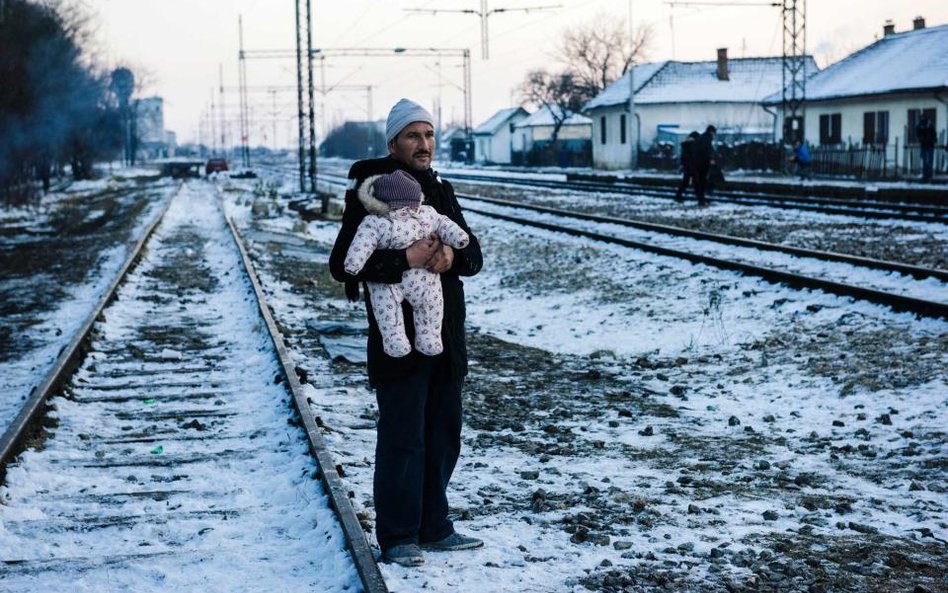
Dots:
pixel 414 145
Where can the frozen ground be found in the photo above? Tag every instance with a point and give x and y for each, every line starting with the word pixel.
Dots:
pixel 57 258
pixel 636 423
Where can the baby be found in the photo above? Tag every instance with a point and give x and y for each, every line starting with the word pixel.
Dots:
pixel 397 219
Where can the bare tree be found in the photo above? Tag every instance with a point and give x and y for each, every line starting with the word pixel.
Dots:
pixel 555 92
pixel 598 52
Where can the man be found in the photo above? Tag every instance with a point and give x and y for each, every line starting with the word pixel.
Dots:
pixel 703 158
pixel 687 165
pixel 419 397
pixel 925 132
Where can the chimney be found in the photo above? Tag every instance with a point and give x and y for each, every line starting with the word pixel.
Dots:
pixel 722 64
pixel 888 28
pixel 918 23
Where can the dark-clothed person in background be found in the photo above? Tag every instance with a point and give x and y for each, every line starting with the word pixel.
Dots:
pixel 687 165
pixel 703 158
pixel 925 133
pixel 419 397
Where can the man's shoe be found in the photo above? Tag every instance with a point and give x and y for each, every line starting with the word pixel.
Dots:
pixel 404 554
pixel 453 543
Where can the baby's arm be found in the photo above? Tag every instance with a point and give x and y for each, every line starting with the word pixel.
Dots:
pixel 364 243
pixel 450 233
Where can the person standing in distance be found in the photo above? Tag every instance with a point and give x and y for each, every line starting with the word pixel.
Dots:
pixel 702 156
pixel 925 132
pixel 687 165
pixel 418 439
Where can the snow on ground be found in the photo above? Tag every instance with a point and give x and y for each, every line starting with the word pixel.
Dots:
pixel 275 530
pixel 711 379
pixel 745 397
pixel 51 330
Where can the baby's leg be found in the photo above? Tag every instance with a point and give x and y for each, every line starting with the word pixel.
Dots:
pixel 423 291
pixel 386 302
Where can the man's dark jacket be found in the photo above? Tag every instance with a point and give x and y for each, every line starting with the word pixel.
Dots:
pixel 702 152
pixel 925 132
pixel 387 266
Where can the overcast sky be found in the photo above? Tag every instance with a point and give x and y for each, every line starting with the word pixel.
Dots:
pixel 177 47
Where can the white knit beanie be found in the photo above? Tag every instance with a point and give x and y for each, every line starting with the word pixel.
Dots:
pixel 405 112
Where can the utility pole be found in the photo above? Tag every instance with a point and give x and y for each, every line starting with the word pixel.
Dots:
pixel 483 14
pixel 244 115
pixel 794 69
pixel 299 101
pixel 213 126
pixel 312 105
pixel 633 146
pixel 273 97
pixel 220 71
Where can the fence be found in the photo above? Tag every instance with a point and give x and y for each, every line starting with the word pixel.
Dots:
pixel 567 153
pixel 746 155
pixel 912 160
pixel 862 162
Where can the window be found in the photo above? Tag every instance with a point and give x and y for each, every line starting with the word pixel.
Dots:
pixel 792 129
pixel 602 129
pixel 830 132
pixel 914 115
pixel 875 127
pixel 623 131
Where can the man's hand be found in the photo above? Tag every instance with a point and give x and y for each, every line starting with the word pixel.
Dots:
pixel 421 251
pixel 441 260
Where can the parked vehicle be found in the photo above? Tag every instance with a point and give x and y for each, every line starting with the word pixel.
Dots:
pixel 216 165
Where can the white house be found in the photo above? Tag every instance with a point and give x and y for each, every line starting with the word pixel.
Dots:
pixel 875 96
pixel 674 98
pixel 534 133
pixel 494 137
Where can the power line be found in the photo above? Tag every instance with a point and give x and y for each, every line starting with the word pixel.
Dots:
pixel 483 14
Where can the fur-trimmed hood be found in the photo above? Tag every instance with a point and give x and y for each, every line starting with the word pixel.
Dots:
pixel 366 195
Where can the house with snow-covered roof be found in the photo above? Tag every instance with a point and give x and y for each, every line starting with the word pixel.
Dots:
pixel 674 98
pixel 876 96
pixel 493 139
pixel 534 134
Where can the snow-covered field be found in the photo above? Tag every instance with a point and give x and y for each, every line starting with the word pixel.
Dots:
pixel 638 423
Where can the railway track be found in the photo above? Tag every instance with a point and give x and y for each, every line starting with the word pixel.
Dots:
pixel 863 207
pixel 694 246
pixel 177 451
pixel 897 299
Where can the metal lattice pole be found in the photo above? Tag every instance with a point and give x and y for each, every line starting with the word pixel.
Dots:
pixel 299 101
pixel 312 103
pixel 794 69
pixel 244 115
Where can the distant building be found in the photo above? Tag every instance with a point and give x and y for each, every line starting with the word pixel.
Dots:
pixel 674 98
pixel 452 145
pixel 493 138
pixel 533 135
pixel 875 96
pixel 355 140
pixel 150 127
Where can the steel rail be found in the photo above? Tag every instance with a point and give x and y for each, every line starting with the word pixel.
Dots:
pixel 867 262
pixel 362 556
pixel 16 433
pixel 876 209
pixel 896 302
